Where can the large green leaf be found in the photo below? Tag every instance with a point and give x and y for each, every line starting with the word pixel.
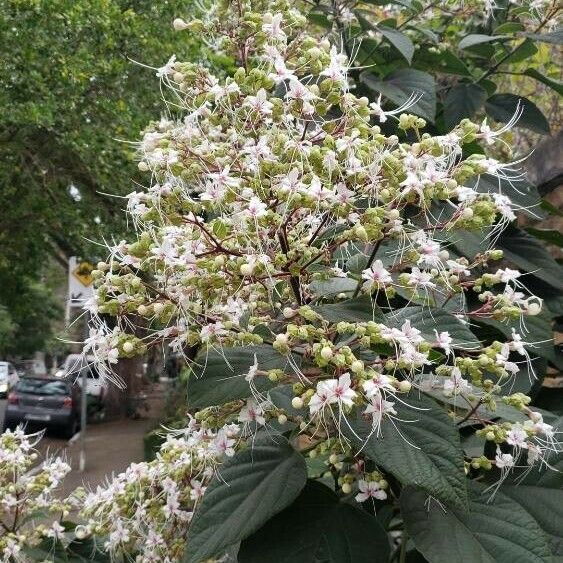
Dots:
pixel 399 40
pixel 531 256
pixel 401 84
pixel 428 319
pixel 546 506
pixel 440 61
pixel 463 101
pixel 501 107
pixel 219 376
pixel 250 488
pixel 333 286
pixel 421 447
pixel 478 39
pixel 360 309
pixel 494 530
pixel 318 528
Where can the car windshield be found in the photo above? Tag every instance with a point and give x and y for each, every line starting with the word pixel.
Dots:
pixel 42 387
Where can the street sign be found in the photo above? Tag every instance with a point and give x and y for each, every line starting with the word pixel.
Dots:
pixel 80 287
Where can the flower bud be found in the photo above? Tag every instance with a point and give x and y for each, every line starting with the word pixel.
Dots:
pixel 357 366
pixel 288 313
pixel 128 347
pixel 297 403
pixel 179 24
pixel 346 488
pixel 282 419
pixel 326 353
pixel 534 309
pixel 405 386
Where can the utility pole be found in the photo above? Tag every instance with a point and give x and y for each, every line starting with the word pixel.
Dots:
pixel 83 413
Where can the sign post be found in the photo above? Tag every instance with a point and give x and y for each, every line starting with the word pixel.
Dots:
pixel 80 289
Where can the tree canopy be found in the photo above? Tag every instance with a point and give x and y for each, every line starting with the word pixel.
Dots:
pixel 73 99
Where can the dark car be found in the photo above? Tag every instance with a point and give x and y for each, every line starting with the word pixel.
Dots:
pixel 45 402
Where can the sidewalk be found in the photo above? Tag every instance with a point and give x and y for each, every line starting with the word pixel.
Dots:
pixel 111 447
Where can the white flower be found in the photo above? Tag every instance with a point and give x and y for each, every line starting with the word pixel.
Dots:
pixel 370 489
pixel 223 445
pixel 259 103
pixel 252 412
pixel 56 531
pixel 168 68
pixel 422 279
pixel 378 382
pixel 376 275
pixel 503 461
pixel 330 391
pixel 444 340
pixel 507 275
pixel 456 384
pixel 273 28
pixel 517 436
pixel 212 331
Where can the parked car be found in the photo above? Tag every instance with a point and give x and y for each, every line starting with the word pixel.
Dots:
pixel 8 377
pixel 47 402
pixel 73 368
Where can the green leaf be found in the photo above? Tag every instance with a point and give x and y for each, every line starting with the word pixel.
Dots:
pixel 555 37
pixel 525 51
pixel 401 84
pixel 508 27
pixel 557 85
pixel 444 61
pixel 463 101
pixel 494 530
pixel 552 237
pixel 360 309
pixel 250 488
pixel 501 107
pixel 546 507
pixel 477 39
pixel 332 286
pixel 219 376
pixel 89 549
pixel 421 447
pixel 550 208
pixel 317 527
pixel 531 256
pixel 427 320
pixel 399 40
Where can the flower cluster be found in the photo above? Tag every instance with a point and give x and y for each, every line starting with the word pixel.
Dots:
pixel 280 215
pixel 27 496
pixel 145 511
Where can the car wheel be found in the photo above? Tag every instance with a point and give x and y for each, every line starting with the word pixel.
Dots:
pixel 71 429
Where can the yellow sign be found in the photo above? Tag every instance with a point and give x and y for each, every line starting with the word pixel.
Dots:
pixel 83 273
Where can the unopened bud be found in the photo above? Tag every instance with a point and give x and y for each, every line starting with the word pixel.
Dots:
pixel 179 24
pixel 326 353
pixel 297 403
